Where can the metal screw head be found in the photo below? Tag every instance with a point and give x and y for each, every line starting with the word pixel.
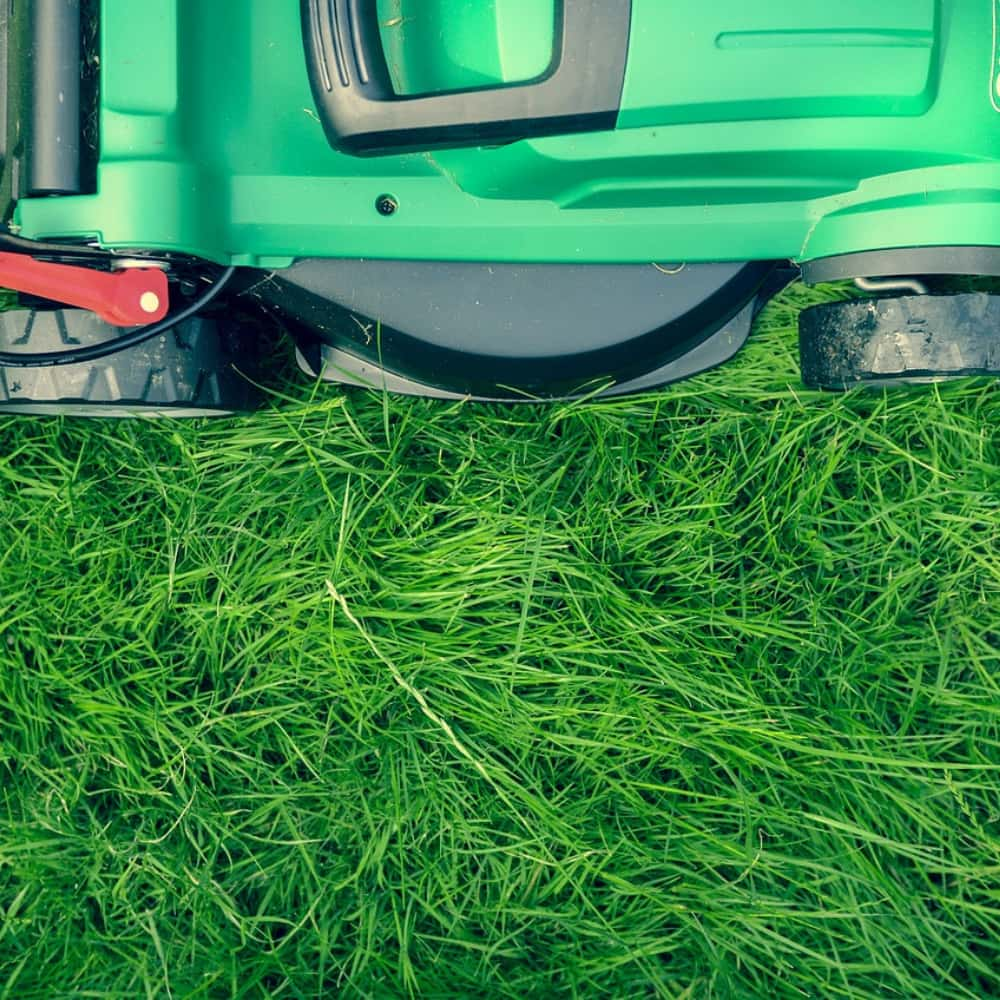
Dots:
pixel 149 302
pixel 386 205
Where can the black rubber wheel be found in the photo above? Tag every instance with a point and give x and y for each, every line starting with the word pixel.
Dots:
pixel 194 370
pixel 911 339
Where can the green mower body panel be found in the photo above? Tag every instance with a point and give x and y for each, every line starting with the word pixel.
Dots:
pixel 758 131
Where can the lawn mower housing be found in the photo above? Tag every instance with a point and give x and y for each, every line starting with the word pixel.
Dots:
pixel 510 199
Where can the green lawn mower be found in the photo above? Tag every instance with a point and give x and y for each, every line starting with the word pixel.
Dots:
pixel 494 199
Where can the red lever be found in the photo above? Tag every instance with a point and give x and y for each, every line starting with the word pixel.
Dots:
pixel 133 297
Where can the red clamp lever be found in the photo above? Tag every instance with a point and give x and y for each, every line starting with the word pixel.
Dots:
pixel 133 297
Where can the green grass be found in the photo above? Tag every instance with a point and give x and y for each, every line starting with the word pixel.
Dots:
pixel 695 695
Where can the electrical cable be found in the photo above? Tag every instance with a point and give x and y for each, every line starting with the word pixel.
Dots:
pixel 38 248
pixel 95 352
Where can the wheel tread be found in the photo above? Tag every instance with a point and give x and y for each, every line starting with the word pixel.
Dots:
pixel 190 367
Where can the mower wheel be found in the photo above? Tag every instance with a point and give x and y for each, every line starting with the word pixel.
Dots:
pixel 912 339
pixel 190 371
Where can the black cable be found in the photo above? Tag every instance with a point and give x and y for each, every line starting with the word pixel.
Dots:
pixel 37 248
pixel 81 355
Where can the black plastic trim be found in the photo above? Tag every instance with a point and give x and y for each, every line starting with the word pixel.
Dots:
pixel 362 114
pixel 970 260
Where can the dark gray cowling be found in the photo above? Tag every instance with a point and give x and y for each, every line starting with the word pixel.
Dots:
pixel 511 330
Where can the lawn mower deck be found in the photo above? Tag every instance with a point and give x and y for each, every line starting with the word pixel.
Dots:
pixel 504 199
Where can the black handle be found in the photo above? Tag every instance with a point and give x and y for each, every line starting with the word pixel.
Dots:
pixel 581 92
pixel 51 118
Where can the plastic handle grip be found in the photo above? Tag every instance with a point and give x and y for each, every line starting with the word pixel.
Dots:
pixel 362 114
pixel 51 123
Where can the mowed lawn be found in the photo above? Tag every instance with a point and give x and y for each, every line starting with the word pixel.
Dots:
pixel 690 696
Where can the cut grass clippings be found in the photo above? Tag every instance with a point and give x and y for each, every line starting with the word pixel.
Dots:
pixel 694 695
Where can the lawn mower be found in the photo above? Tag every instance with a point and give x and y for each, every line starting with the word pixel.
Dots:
pixel 488 199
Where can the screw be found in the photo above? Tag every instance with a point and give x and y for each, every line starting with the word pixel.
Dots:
pixel 149 302
pixel 386 205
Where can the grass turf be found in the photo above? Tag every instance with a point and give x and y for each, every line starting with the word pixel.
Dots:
pixel 695 695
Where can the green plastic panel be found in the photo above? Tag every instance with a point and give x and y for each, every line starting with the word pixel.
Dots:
pixel 740 61
pixel 749 131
